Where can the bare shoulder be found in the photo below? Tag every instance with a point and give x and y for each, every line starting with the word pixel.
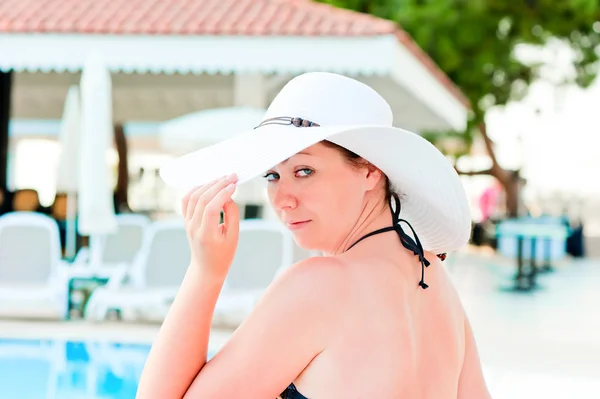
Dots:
pixel 324 267
pixel 299 307
pixel 324 274
pixel 317 282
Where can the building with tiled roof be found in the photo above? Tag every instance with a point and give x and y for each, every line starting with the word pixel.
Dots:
pixel 169 58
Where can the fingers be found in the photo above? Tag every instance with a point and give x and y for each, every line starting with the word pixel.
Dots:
pixel 231 219
pixel 206 196
pixel 185 201
pixel 191 199
pixel 201 219
pixel 212 211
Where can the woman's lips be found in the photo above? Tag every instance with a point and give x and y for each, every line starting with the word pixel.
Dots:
pixel 297 225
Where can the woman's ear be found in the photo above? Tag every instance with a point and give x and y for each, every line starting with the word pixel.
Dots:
pixel 373 177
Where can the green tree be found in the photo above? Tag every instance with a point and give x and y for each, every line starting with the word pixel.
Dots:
pixel 474 42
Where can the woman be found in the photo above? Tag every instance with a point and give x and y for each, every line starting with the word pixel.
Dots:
pixel 376 316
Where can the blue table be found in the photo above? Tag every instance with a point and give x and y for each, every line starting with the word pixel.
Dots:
pixel 514 235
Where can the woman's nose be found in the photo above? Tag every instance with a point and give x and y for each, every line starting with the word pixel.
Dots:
pixel 284 196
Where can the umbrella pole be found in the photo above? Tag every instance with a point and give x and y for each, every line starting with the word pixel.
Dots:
pixel 97 243
pixel 71 229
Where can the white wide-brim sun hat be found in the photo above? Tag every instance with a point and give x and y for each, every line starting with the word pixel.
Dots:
pixel 321 106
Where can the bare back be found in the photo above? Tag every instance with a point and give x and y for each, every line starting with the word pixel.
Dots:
pixel 395 339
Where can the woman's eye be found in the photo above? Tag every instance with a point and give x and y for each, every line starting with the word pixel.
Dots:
pixel 304 172
pixel 270 176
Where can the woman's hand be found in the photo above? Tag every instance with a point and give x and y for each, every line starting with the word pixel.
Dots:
pixel 212 243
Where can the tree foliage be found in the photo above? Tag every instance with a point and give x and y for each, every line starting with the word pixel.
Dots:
pixel 474 41
pixel 477 43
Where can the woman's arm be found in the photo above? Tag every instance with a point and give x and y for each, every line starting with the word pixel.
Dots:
pixel 181 347
pixel 289 327
pixel 293 322
pixel 296 319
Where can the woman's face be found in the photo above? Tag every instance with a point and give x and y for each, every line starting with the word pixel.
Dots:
pixel 319 196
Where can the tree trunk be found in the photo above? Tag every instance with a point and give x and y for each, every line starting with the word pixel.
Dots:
pixel 121 198
pixel 6 79
pixel 511 183
pixel 509 179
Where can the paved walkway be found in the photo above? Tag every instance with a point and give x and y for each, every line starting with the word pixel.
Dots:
pixel 544 344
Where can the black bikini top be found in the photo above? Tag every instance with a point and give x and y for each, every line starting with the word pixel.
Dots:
pixel 292 393
pixel 408 243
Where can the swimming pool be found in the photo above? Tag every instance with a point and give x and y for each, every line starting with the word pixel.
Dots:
pixel 55 369
pixel 52 369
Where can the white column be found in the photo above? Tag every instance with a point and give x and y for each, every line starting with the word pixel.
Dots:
pixel 250 90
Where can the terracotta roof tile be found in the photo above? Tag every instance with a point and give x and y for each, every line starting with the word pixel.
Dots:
pixel 202 17
pixel 197 17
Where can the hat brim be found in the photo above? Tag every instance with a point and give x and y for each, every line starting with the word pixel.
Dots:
pixel 434 200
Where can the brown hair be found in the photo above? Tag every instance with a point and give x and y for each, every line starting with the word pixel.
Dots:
pixel 357 161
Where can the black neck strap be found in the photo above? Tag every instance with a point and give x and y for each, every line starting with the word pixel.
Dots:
pixel 412 245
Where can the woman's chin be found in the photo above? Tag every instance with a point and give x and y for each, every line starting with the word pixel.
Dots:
pixel 306 242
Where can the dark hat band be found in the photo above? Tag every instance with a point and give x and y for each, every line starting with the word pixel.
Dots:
pixel 288 120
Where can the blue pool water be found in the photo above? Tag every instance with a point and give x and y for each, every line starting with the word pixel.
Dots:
pixel 69 370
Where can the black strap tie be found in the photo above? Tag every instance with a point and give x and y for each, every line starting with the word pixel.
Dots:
pixel 412 245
